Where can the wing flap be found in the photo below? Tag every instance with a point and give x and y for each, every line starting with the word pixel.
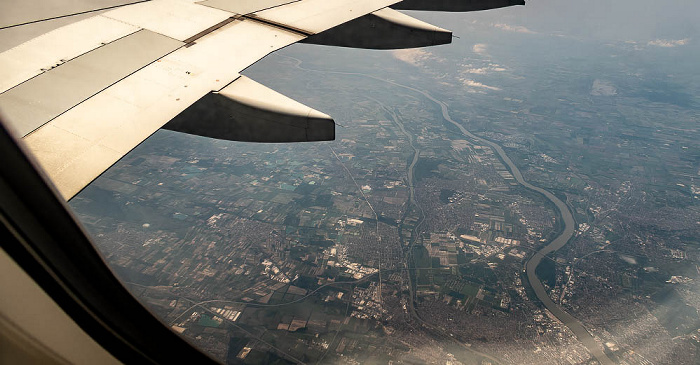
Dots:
pixel 35 102
pixel 244 6
pixel 81 143
pixel 315 16
pixel 56 47
pixel 173 18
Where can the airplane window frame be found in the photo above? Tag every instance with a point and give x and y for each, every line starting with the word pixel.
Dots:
pixel 40 234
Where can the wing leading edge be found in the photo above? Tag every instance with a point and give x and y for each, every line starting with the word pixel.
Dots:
pixel 84 95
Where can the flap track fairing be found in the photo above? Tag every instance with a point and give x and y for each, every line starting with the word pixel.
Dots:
pixel 246 111
pixel 383 29
pixel 455 5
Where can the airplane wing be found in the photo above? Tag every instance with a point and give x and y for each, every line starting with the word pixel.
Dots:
pixel 83 95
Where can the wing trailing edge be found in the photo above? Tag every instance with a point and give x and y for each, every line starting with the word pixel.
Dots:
pixel 247 111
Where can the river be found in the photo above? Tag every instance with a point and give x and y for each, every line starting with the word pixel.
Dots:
pixel 531 265
pixel 567 218
pixel 593 346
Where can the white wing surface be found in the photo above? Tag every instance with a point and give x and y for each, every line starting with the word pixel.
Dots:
pixel 85 94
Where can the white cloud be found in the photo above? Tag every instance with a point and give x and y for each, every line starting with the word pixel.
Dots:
pixel 472 83
pixel 477 71
pixel 479 48
pixel 667 43
pixel 470 69
pixel 413 56
pixel 513 28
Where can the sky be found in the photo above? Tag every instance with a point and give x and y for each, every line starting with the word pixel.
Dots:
pixel 607 20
